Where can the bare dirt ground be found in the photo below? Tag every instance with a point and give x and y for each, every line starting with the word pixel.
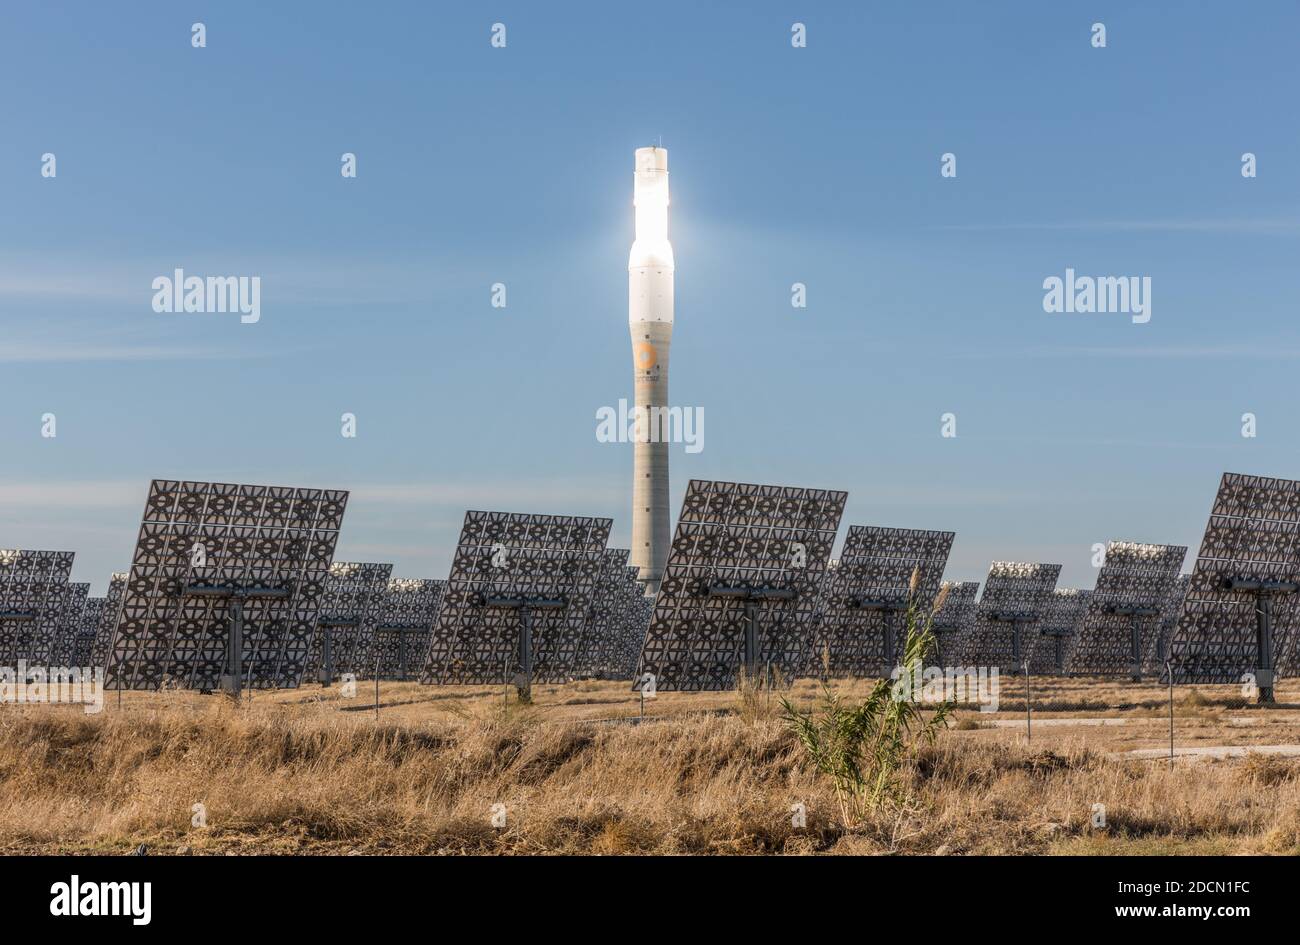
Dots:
pixel 581 770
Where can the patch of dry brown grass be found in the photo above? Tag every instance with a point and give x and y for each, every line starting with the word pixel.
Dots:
pixel 1259 770
pixel 307 777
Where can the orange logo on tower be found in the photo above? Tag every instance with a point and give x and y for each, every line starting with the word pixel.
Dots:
pixel 644 356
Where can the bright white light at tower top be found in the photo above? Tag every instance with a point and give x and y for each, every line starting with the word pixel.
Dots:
pixel 650 196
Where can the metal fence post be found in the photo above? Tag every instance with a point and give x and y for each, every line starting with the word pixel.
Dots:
pixel 1029 724
pixel 1169 668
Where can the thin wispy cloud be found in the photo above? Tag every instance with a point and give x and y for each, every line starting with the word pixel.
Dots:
pixel 539 494
pixel 85 340
pixel 944 495
pixel 1262 227
pixel 1088 443
pixel 1224 352
pixel 504 496
pixel 387 551
pixel 76 494
pixel 72 283
pixel 319 280
pixel 53 353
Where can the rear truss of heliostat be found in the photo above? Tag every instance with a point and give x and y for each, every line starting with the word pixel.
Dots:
pixel 92 615
pixel 107 626
pixel 233 539
pixel 640 610
pixel 752 539
pixel 1006 621
pixel 1058 631
pixel 63 650
pixel 354 594
pixel 1132 589
pixel 608 619
pixel 618 646
pixel 33 589
pixel 506 556
pixel 861 627
pixel 404 628
pixel 1253 534
pixel 1158 652
pixel 953 619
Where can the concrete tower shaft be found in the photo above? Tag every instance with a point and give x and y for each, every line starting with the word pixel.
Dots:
pixel 650 323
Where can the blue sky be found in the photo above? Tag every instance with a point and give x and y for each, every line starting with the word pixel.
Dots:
pixel 479 165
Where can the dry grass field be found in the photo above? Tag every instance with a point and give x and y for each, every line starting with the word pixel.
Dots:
pixel 580 772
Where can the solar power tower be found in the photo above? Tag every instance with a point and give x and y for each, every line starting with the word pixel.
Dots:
pixel 354 595
pixel 954 619
pixel 1241 606
pixel 404 626
pixel 225 586
pixel 108 623
pixel 1154 663
pixel 64 647
pixel 1006 622
pixel 92 615
pixel 32 589
pixel 1058 631
pixel 1124 610
pixel 741 587
pixel 517 602
pixel 866 595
